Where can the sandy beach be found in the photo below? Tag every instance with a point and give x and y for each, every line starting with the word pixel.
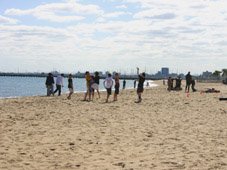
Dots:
pixel 168 130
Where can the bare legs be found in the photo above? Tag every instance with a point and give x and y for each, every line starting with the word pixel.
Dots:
pixel 115 97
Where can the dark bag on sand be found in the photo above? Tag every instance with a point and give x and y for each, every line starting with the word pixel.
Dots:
pixel 223 98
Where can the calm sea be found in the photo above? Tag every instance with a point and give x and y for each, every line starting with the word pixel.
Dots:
pixel 33 86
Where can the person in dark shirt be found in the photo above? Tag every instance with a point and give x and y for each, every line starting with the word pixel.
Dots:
pixel 178 83
pixel 188 78
pixel 140 85
pixel 95 86
pixel 124 84
pixel 193 85
pixel 170 84
pixel 70 86
pixel 49 84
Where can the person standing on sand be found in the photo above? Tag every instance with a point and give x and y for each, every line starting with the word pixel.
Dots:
pixel 164 82
pixel 92 90
pixel 188 78
pixel 117 86
pixel 88 92
pixel 95 86
pixel 134 84
pixel 70 86
pixel 140 85
pixel 108 83
pixel 170 84
pixel 49 84
pixel 59 84
pixel 124 84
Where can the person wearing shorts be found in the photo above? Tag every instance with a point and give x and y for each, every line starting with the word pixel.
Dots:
pixel 117 86
pixel 88 86
pixel 108 83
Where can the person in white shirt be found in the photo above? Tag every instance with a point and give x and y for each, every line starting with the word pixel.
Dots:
pixel 108 83
pixel 59 84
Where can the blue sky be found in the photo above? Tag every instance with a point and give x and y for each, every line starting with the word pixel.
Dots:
pixel 72 35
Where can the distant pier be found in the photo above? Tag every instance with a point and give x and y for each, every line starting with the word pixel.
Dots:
pixel 127 77
pixel 23 74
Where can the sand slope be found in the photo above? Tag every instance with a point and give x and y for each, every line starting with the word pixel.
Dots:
pixel 168 130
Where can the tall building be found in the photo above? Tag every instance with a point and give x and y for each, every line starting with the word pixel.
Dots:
pixel 165 71
pixel 206 74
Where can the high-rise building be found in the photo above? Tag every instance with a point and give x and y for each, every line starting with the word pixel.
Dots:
pixel 165 71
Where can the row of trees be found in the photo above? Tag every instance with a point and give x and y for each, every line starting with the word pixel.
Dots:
pixel 219 74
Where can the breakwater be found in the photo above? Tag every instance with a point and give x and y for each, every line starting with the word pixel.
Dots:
pixel 81 75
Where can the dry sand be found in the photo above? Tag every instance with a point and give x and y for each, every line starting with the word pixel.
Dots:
pixel 168 130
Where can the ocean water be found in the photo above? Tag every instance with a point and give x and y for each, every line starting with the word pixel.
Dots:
pixel 34 86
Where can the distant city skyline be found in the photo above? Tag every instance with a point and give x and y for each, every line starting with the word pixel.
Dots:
pixel 113 35
pixel 162 72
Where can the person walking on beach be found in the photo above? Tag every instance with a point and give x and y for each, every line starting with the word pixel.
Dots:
pixel 117 86
pixel 88 86
pixel 95 86
pixel 188 78
pixel 108 83
pixel 124 84
pixel 140 85
pixel 70 86
pixel 59 84
pixel 49 84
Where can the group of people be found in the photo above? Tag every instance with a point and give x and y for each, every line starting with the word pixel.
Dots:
pixel 171 82
pixel 92 85
pixel 59 84
pixel 190 82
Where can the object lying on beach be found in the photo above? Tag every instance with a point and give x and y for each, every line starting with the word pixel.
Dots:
pixel 223 98
pixel 212 90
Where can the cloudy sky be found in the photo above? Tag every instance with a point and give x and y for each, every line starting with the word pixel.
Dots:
pixel 72 35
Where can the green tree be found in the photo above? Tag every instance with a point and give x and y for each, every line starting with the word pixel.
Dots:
pixel 217 74
pixel 224 72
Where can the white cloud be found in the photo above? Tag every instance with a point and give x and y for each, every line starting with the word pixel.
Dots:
pixel 155 33
pixel 114 14
pixel 58 12
pixel 6 20
pixel 121 7
pixel 155 14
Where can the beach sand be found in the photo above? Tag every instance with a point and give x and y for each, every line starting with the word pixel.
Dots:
pixel 168 130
